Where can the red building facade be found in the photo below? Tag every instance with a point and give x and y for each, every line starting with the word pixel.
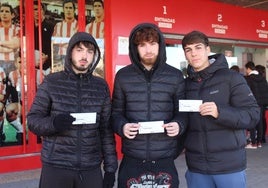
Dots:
pixel 224 24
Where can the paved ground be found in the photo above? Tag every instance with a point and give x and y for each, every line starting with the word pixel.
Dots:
pixel 257 172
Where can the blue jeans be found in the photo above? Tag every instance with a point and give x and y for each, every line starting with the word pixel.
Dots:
pixel 232 180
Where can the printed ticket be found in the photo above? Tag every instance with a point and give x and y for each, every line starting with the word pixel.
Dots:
pixel 149 127
pixel 189 105
pixel 84 118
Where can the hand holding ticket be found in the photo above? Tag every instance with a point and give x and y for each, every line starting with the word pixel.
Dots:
pixel 189 105
pixel 151 127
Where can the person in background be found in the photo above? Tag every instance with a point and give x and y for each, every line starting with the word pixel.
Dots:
pixel 215 137
pixel 74 148
pixel 145 97
pixel 235 68
pixel 68 26
pixel 47 28
pixel 64 29
pixel 9 50
pixel 96 27
pixel 259 87
pixel 11 129
pixel 9 47
pixel 262 71
pixel 9 38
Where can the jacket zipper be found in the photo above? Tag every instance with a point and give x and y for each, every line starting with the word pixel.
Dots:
pixel 79 126
pixel 148 115
pixel 203 122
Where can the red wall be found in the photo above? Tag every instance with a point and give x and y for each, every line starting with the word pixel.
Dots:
pixel 217 20
pixel 172 16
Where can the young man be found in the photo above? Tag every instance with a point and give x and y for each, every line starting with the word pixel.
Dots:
pixel 68 26
pixel 9 50
pixel 215 139
pixel 47 28
pixel 64 29
pixel 259 87
pixel 145 112
pixel 74 148
pixel 262 71
pixel 9 38
pixel 96 27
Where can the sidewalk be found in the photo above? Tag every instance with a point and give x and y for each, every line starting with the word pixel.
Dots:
pixel 257 172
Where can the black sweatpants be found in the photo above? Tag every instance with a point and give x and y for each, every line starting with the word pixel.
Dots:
pixel 52 177
pixel 259 128
pixel 140 173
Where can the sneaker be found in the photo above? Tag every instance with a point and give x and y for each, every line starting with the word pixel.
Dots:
pixel 251 146
pixel 259 145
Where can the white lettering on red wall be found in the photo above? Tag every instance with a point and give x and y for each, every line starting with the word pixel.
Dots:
pixel 165 22
pixel 218 27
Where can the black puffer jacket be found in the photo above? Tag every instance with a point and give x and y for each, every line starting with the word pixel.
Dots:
pixel 82 146
pixel 140 95
pixel 259 88
pixel 217 146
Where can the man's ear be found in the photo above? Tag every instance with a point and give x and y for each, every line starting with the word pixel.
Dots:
pixel 208 50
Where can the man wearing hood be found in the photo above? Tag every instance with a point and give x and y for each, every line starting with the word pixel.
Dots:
pixel 74 148
pixel 215 139
pixel 145 112
pixel 259 88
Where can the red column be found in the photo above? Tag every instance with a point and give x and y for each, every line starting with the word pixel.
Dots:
pixel 81 15
pixel 29 62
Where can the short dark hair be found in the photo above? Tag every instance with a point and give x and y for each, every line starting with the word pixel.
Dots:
pixel 195 37
pixel 235 68
pixel 9 6
pixel 42 5
pixel 250 65
pixel 260 69
pixel 87 44
pixel 68 1
pixel 147 34
pixel 99 1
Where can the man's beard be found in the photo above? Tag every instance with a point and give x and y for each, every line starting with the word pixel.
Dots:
pixel 150 61
pixel 80 68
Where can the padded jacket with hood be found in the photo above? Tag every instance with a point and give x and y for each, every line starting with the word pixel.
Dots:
pixel 140 95
pixel 217 145
pixel 84 146
pixel 259 87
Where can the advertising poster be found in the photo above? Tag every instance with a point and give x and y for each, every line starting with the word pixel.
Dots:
pixel 66 24
pixel 11 129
